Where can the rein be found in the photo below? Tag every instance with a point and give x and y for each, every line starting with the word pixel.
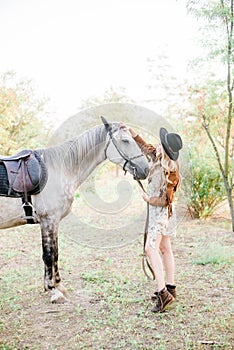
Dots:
pixel 144 256
pixel 127 160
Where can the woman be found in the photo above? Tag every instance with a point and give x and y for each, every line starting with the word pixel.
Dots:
pixel 163 180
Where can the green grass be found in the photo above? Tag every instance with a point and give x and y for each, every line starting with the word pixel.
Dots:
pixel 214 253
pixel 109 296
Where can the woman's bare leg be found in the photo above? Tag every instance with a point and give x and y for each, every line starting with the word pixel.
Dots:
pixel 168 259
pixel 154 256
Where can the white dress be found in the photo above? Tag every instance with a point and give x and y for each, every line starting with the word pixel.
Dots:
pixel 159 223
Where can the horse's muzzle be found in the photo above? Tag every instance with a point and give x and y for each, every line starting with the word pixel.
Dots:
pixel 138 173
pixel 141 174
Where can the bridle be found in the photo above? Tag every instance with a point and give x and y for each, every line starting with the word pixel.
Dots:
pixel 127 160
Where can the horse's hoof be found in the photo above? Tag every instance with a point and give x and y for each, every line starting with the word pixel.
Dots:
pixel 62 289
pixel 57 297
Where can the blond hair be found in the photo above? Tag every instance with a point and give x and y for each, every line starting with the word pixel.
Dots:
pixel 168 165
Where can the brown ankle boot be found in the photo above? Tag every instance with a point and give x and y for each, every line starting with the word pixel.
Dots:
pixel 171 289
pixel 164 299
pixel 154 296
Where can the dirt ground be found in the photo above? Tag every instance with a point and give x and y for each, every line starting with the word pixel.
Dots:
pixel 108 294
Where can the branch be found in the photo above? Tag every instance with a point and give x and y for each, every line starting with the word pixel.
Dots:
pixel 226 19
pixel 229 85
pixel 205 125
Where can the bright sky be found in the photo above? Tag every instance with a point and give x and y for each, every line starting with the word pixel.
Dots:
pixel 74 49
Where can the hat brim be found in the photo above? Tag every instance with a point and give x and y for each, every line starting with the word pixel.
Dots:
pixel 162 135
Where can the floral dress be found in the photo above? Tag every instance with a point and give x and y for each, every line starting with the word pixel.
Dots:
pixel 162 219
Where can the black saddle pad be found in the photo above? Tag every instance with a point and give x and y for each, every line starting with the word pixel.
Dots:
pixel 4 183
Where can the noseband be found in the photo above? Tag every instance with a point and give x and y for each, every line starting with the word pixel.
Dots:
pixel 127 160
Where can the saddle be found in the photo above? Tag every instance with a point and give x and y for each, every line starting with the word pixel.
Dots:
pixel 22 175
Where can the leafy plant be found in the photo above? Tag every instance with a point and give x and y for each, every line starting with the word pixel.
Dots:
pixel 20 112
pixel 215 106
pixel 204 188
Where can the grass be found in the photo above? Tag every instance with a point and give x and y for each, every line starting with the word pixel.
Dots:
pixel 215 253
pixel 109 296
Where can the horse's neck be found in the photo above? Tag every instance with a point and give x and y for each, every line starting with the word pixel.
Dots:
pixel 94 157
pixel 79 157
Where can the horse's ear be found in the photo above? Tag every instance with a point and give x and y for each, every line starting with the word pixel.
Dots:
pixel 105 122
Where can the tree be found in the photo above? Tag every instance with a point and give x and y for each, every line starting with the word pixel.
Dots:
pixel 167 90
pixel 111 95
pixel 20 123
pixel 217 118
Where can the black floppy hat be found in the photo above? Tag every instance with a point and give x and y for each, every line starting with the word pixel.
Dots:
pixel 171 143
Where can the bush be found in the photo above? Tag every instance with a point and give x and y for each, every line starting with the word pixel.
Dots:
pixel 204 188
pixel 21 125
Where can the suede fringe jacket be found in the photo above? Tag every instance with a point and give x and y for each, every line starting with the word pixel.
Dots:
pixel 167 197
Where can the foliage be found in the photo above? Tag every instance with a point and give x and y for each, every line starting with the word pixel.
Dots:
pixel 20 125
pixel 204 187
pixel 214 105
pixel 210 99
pixel 213 15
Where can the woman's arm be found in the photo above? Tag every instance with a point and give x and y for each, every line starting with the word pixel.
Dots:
pixel 156 201
pixel 168 196
pixel 147 149
pixel 132 132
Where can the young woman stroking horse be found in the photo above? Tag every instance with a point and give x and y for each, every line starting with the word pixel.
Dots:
pixel 164 180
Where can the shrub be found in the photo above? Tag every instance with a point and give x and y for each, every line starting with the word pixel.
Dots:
pixel 204 188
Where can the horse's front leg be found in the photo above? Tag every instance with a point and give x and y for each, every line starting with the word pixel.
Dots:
pixel 52 279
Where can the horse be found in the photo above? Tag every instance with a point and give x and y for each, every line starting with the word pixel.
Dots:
pixel 68 166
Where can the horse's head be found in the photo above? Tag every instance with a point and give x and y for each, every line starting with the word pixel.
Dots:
pixel 122 149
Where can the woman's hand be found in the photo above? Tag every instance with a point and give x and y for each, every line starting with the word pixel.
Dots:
pixel 123 126
pixel 131 130
pixel 146 197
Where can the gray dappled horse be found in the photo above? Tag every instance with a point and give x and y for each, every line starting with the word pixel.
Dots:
pixel 68 165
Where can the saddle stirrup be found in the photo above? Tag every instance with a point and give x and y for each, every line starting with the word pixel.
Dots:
pixel 29 211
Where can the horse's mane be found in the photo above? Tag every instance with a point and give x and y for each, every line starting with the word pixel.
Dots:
pixel 72 152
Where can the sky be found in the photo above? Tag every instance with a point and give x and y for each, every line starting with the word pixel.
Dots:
pixel 75 49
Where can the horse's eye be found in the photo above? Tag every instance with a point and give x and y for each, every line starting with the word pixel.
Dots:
pixel 125 140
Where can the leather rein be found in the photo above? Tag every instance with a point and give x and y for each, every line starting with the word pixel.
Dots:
pixel 129 160
pixel 145 260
